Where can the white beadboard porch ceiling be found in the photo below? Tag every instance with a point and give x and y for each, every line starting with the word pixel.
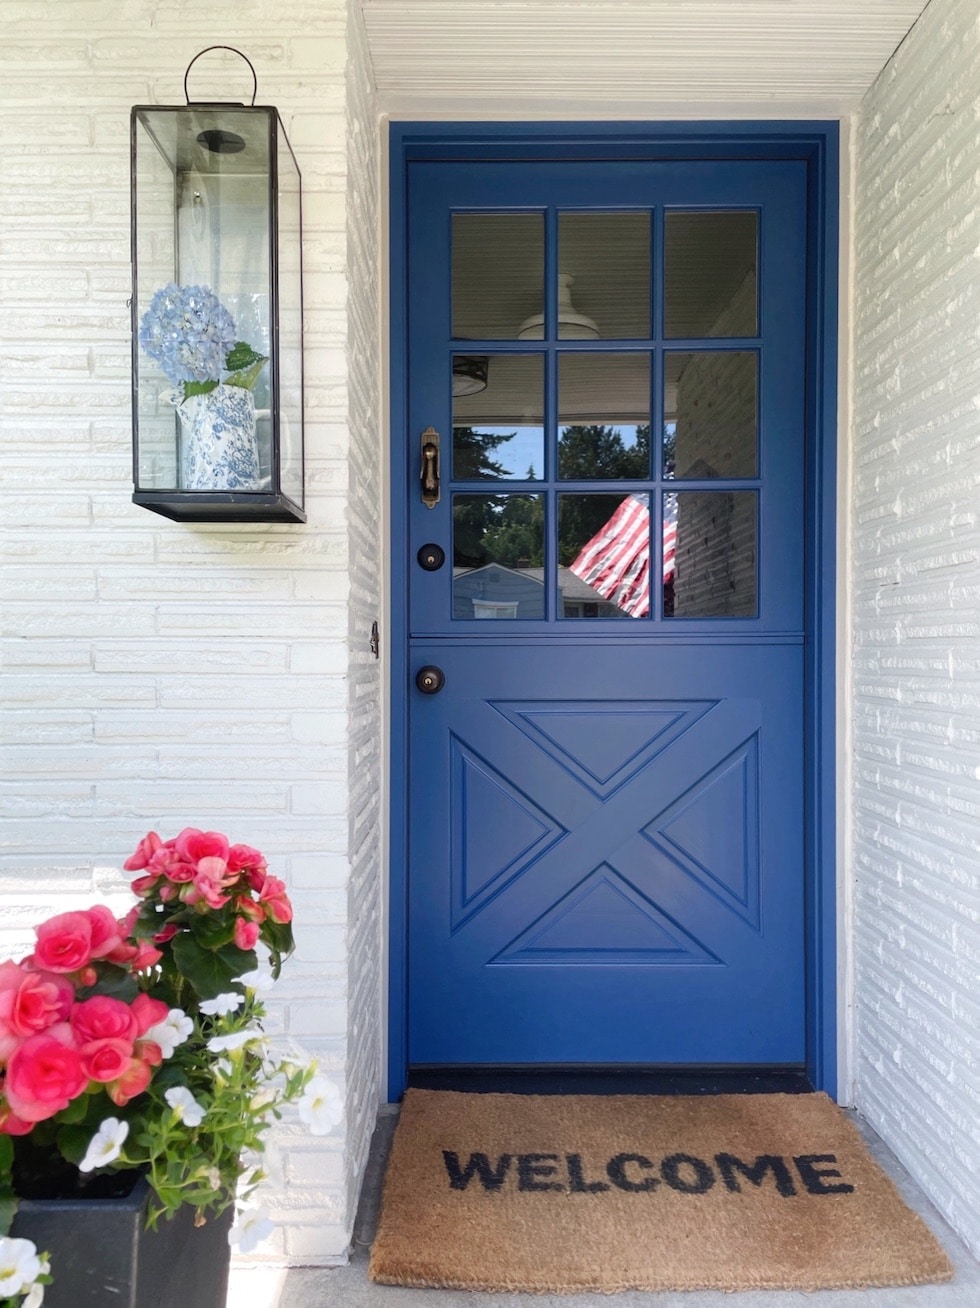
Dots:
pixel 631 58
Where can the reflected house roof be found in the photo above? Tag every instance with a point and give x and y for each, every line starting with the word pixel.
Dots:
pixel 572 587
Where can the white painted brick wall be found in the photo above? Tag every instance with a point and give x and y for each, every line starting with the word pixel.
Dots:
pixel 158 674
pixel 915 853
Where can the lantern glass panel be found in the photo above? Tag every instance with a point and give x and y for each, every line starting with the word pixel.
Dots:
pixel 290 286
pixel 217 367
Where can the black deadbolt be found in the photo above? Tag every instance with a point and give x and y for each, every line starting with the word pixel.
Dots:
pixel 430 680
pixel 431 557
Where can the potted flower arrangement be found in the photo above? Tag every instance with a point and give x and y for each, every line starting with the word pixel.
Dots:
pixel 133 1062
pixel 190 333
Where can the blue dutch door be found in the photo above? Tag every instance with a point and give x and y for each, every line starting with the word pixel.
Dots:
pixel 606 470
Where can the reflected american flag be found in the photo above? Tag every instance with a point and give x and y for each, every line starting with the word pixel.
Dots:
pixel 616 561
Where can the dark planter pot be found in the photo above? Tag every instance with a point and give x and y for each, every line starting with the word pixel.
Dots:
pixel 102 1256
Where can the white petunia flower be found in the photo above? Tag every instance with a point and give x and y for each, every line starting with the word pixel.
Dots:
pixel 222 1005
pixel 259 980
pixel 106 1145
pixel 236 1040
pixel 321 1107
pixel 252 1227
pixel 185 1105
pixel 175 1028
pixel 19 1265
pixel 35 1296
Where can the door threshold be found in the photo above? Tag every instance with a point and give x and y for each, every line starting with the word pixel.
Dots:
pixel 612 1081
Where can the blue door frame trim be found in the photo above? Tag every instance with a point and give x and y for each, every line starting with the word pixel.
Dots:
pixel 817 143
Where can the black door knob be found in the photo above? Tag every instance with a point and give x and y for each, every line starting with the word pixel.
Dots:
pixel 430 680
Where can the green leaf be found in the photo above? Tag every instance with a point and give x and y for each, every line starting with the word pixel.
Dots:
pixel 278 936
pixel 73 1142
pixel 198 388
pixel 241 355
pixel 212 930
pixel 112 981
pixel 246 377
pixel 206 969
pixel 8 1210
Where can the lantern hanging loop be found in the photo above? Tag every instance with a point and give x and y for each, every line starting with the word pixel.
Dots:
pixel 255 80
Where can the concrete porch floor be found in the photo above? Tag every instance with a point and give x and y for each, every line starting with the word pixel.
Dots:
pixel 349 1287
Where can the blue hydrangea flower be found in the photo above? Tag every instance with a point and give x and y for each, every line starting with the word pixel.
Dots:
pixel 188 331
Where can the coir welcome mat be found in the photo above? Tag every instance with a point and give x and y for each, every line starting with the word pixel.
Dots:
pixel 555 1193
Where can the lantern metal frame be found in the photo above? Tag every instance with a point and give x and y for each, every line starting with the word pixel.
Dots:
pixel 271 503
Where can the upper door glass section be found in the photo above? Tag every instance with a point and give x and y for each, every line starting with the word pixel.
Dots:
pixel 603 276
pixel 711 273
pixel 498 273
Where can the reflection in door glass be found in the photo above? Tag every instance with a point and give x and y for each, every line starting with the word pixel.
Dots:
pixel 498 273
pixel 498 556
pixel 604 277
pixel 604 416
pixel 710 414
pixel 710 280
pixel 498 427
pixel 604 556
pixel 714 555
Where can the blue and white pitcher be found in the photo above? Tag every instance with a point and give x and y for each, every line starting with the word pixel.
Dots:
pixel 219 449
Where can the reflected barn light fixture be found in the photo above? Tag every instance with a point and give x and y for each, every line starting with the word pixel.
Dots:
pixel 470 372
pixel 217 311
pixel 572 326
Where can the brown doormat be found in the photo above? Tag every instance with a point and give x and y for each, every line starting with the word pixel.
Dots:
pixel 556 1193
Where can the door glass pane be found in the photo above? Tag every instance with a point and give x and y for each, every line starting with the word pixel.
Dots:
pixel 498 556
pixel 498 419
pixel 498 273
pixel 710 277
pixel 604 275
pixel 715 561
pixel 604 416
pixel 711 414
pixel 604 556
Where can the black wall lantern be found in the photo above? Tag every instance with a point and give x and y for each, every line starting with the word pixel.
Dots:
pixel 217 312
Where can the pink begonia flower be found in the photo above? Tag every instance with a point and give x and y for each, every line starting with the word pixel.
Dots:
pixel 44 1075
pixel 145 850
pixel 64 943
pixel 106 1060
pixel 168 933
pixel 211 883
pixel 245 858
pixel 246 933
pixel 193 845
pixel 247 907
pixel 146 956
pixel 171 864
pixel 148 1012
pixel 30 1002
pixel 131 1083
pixel 256 877
pixel 103 1018
pixel 11 1124
pixel 106 935
pixel 143 886
pixel 275 901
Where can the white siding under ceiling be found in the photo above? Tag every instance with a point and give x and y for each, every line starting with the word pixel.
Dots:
pixel 589 57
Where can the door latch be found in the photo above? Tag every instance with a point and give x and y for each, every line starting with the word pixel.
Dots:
pixel 430 468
